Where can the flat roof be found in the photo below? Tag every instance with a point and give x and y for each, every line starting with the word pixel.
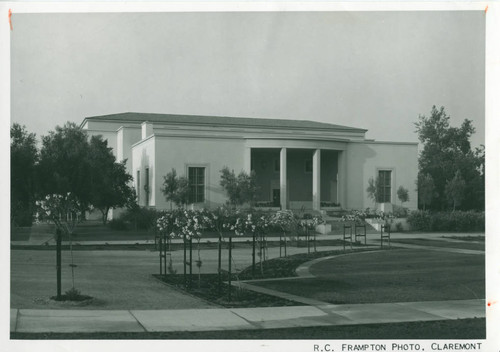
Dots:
pixel 137 117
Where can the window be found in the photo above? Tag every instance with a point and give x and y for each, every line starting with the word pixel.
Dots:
pixel 138 178
pixel 384 186
pixel 276 165
pixel 308 166
pixel 196 178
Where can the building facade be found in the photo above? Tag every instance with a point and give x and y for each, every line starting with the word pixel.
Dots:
pixel 298 164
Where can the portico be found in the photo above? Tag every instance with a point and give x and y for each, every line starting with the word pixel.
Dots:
pixel 297 174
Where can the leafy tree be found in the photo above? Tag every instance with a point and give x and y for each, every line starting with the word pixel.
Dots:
pixel 240 189
pixel 109 186
pixel 403 195
pixel 71 162
pixel 64 164
pixel 455 189
pixel 426 189
pixel 23 159
pixel 373 189
pixel 175 189
pixel 447 150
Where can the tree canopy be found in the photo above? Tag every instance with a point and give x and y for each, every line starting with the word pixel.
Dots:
pixel 64 163
pixel 23 159
pixel 175 188
pixel 240 189
pixel 403 195
pixel 71 162
pixel 373 189
pixel 109 181
pixel 447 150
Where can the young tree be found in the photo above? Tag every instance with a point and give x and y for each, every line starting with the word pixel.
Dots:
pixel 425 189
pixel 447 150
pixel 455 189
pixel 403 195
pixel 248 187
pixel 240 189
pixel 64 211
pixel 373 189
pixel 175 189
pixel 23 159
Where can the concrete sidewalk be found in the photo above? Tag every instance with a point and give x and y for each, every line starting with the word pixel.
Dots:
pixel 81 321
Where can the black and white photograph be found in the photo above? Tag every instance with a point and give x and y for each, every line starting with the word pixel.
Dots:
pixel 238 176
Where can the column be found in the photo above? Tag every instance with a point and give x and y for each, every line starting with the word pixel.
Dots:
pixel 316 191
pixel 247 160
pixel 342 179
pixel 283 176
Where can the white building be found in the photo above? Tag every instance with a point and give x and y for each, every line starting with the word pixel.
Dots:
pixel 297 163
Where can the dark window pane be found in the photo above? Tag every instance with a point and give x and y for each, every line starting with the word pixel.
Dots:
pixel 196 184
pixel 385 185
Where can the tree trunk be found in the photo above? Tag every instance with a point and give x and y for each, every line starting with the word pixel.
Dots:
pixel 105 212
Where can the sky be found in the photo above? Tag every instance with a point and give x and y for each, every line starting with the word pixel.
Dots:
pixel 372 70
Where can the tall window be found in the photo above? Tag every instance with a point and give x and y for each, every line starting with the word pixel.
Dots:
pixel 384 186
pixel 196 177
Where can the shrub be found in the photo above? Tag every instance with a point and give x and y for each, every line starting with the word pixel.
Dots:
pixel 329 204
pixel 399 227
pixel 462 221
pixel 117 224
pixel 420 220
pixel 140 218
pixel 73 294
pixel 399 212
pixel 264 204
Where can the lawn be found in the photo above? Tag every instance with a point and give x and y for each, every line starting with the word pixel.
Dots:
pixel 448 329
pixel 401 275
pixel 438 243
pixel 466 238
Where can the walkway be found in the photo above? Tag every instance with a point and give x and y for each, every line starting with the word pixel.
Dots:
pixel 66 321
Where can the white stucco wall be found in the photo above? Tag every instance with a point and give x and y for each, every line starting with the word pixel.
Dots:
pixel 126 137
pixel 181 152
pixel 365 159
pixel 143 156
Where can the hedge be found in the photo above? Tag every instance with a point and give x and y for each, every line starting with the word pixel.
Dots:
pixel 459 221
